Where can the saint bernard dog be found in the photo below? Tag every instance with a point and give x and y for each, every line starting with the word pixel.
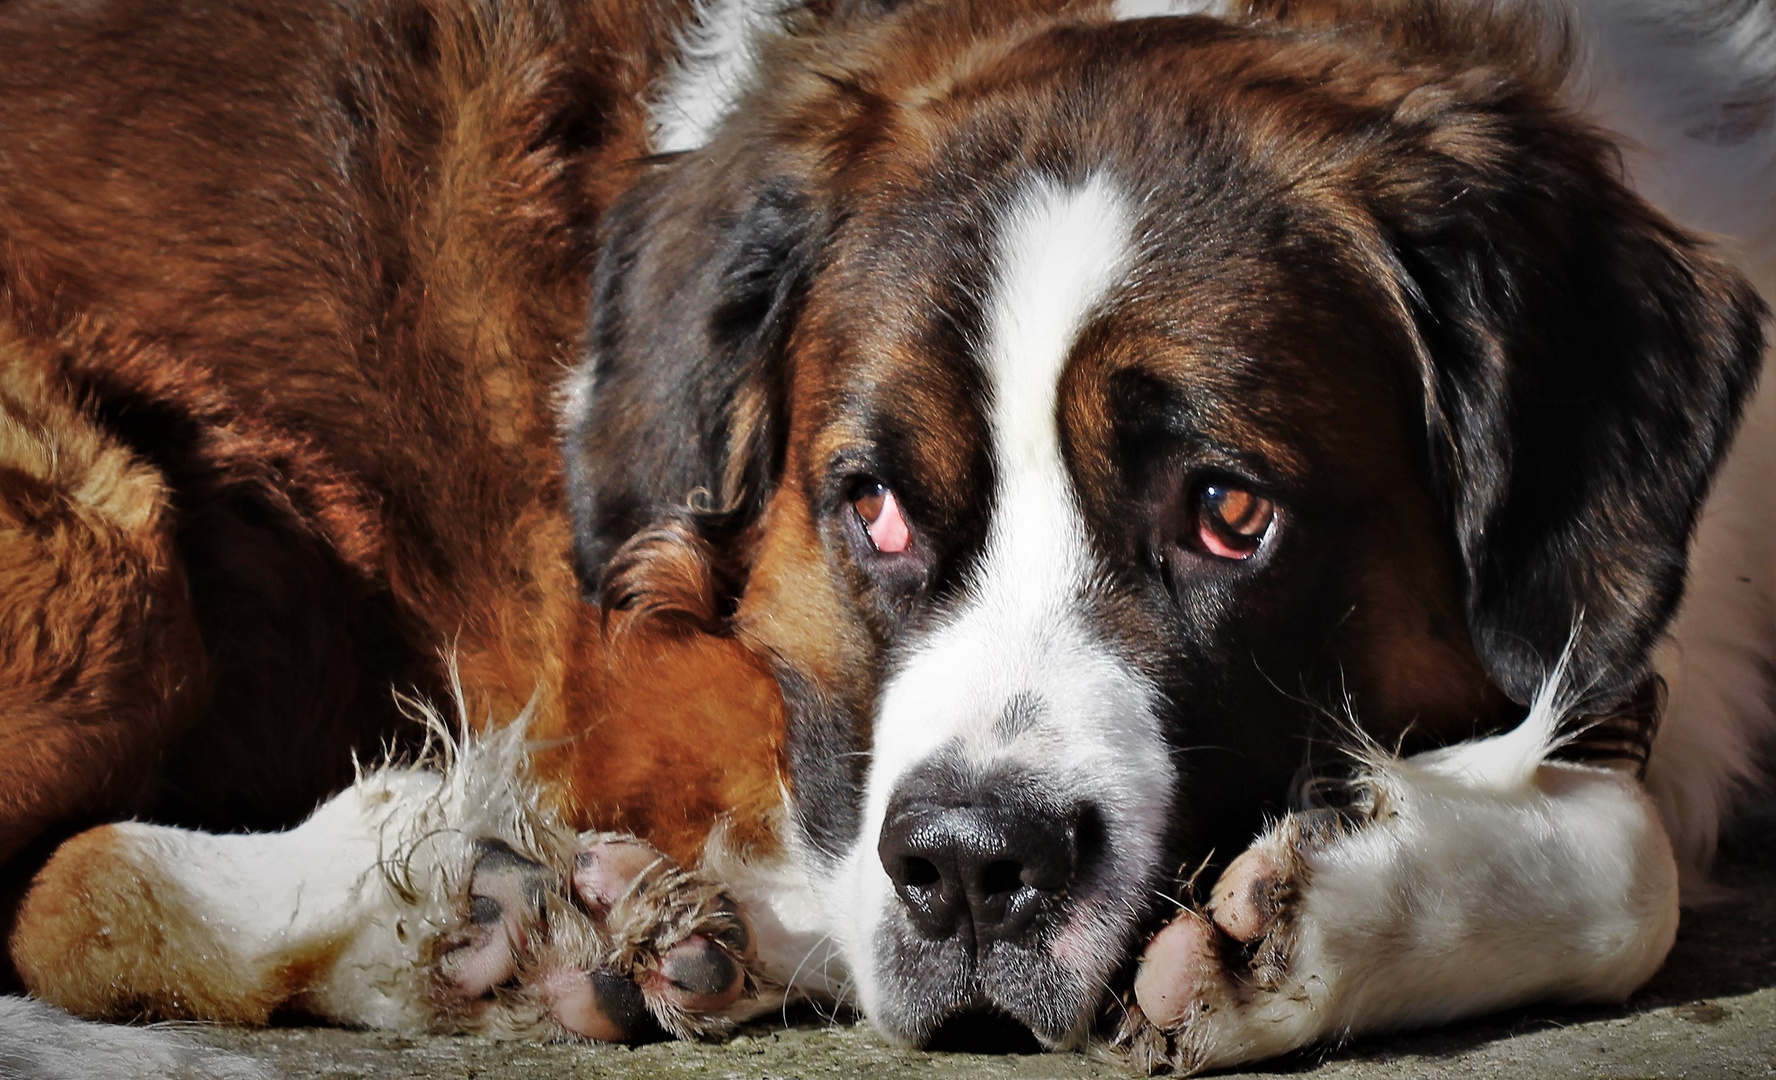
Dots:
pixel 1155 526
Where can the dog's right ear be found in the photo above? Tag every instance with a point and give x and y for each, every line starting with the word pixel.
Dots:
pixel 673 424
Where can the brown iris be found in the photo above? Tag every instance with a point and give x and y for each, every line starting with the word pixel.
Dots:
pixel 1231 522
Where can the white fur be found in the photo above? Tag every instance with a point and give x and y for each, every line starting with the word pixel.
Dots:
pixel 1484 886
pixel 797 956
pixel 1124 10
pixel 268 896
pixel 718 55
pixel 41 1042
pixel 1488 877
pixel 1494 878
pixel 1022 630
pixel 260 899
pixel 373 877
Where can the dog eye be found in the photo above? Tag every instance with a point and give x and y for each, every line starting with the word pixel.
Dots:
pixel 1232 522
pixel 882 518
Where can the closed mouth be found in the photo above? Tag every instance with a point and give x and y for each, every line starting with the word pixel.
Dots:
pixel 983 1030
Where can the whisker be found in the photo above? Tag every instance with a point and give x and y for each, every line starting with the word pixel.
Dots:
pixel 1205 746
pixel 789 986
pixel 1114 996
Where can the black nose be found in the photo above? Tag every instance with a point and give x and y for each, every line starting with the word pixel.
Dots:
pixel 984 872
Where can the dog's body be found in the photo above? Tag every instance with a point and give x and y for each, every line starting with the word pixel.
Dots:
pixel 998 432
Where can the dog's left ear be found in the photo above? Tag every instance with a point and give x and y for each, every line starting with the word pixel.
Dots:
pixel 1585 363
pixel 673 424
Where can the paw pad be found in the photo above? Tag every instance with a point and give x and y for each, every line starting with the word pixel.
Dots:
pixel 623 946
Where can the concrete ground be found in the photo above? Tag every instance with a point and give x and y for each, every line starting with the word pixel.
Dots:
pixel 1710 1013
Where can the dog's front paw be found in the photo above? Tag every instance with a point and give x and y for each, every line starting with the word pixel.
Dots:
pixel 1226 984
pixel 625 946
pixel 1448 888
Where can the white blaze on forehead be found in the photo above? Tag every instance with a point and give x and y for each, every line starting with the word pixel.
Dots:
pixel 1061 252
pixel 1024 637
pixel 718 60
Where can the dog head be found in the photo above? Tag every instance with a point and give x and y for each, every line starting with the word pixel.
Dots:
pixel 1075 410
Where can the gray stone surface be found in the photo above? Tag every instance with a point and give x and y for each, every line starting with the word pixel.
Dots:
pixel 1710 1013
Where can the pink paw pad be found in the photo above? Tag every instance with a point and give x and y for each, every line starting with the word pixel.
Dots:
pixel 1180 967
pixel 700 974
pixel 505 905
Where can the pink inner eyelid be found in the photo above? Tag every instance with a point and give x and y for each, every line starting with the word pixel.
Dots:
pixel 888 531
pixel 1212 541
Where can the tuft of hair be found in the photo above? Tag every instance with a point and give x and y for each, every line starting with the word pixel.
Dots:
pixel 718 55
pixel 486 791
pixel 674 573
pixel 1534 40
pixel 1508 761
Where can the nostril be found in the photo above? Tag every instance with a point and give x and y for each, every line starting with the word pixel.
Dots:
pixel 991 869
pixel 919 873
pixel 1002 876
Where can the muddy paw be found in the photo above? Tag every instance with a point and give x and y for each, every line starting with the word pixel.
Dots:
pixel 1449 885
pixel 1212 981
pixel 624 946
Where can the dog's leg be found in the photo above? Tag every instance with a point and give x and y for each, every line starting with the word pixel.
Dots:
pixel 133 920
pixel 1471 879
pixel 418 900
pixel 100 660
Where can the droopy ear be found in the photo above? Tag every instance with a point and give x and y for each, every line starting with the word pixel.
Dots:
pixel 673 423
pixel 1585 363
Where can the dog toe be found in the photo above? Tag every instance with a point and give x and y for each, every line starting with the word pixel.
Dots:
pixel 600 1005
pixel 699 975
pixel 1180 966
pixel 1249 896
pixel 618 944
pixel 681 942
pixel 505 909
pixel 606 871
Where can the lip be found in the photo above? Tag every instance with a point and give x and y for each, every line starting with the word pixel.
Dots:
pixel 925 985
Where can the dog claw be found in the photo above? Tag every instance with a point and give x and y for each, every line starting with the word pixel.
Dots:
pixel 620 945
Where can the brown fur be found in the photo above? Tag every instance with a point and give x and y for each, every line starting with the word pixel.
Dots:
pixel 1398 253
pixel 279 341
pixel 100 661
pixel 304 305
pixel 116 919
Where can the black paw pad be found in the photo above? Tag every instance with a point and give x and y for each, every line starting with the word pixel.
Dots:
pixel 621 1002
pixel 701 968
